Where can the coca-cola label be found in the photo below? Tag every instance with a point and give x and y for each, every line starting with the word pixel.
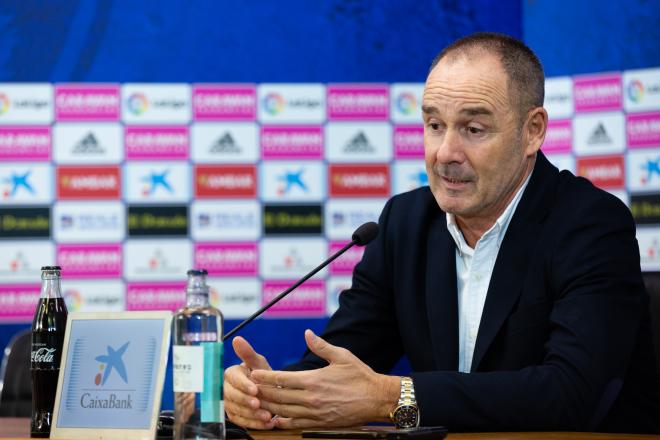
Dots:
pixel 45 353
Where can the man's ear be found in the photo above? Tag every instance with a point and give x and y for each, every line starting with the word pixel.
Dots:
pixel 534 130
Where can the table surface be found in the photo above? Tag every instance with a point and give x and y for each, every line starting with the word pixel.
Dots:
pixel 19 428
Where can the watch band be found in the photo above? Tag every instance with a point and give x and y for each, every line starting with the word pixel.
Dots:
pixel 406 412
pixel 407 396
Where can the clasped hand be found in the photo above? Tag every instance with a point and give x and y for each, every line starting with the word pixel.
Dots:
pixel 347 392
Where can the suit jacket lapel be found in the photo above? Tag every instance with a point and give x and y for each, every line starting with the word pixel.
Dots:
pixel 514 255
pixel 441 294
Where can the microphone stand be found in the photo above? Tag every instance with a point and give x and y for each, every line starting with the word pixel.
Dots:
pixel 287 291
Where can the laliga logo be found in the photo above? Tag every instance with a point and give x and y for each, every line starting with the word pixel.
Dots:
pixel 406 103
pixel 73 299
pixel 4 103
pixel 111 361
pixel 273 103
pixel 636 90
pixel 138 103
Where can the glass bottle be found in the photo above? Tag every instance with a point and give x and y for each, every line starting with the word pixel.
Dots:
pixel 197 364
pixel 48 327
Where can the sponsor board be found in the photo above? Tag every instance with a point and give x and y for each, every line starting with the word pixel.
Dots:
pixel 85 182
pixel 218 181
pixel 599 133
pixel 335 286
pixel 224 102
pixel 641 90
pixel 343 217
pixel 238 298
pixel 93 296
pixel 408 175
pixel 22 184
pixel 227 259
pixel 599 92
pixel 558 100
pixel 89 222
pixel 90 260
pixel 368 180
pixel 292 219
pixel 291 103
pixel 292 142
pixel 308 300
pixel 562 161
pixel 156 182
pixel 225 220
pixel 157 260
pixel 649 248
pixel 605 171
pixel 358 142
pixel 558 137
pixel 406 102
pixel 151 143
pixel 87 143
pixel 236 142
pixel 19 222
pixel 345 263
pixel 290 258
pixel 365 102
pixel 21 262
pixel 145 221
pixel 26 103
pixel 156 296
pixel 18 302
pixel 300 181
pixel 156 103
pixel 409 141
pixel 645 208
pixel 643 170
pixel 87 102
pixel 643 130
pixel 29 143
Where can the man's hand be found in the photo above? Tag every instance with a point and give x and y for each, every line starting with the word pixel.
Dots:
pixel 242 400
pixel 345 393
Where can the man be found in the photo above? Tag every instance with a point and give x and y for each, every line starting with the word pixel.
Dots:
pixel 514 290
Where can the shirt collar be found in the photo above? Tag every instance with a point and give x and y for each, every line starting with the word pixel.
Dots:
pixel 499 227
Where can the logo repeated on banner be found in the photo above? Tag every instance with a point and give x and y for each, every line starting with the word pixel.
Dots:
pixel 221 181
pixel 25 143
pixel 236 142
pixel 22 184
pixel 607 172
pixel 87 143
pixel 26 103
pixel 127 186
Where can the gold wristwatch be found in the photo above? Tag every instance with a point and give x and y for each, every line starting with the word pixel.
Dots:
pixel 406 412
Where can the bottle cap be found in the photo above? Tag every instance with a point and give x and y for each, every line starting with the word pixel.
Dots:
pixel 51 268
pixel 197 272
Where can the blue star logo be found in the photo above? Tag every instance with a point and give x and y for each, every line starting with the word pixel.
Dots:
pixel 651 167
pixel 291 179
pixel 113 362
pixel 17 180
pixel 155 180
pixel 421 178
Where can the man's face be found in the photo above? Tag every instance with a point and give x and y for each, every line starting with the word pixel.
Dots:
pixel 474 152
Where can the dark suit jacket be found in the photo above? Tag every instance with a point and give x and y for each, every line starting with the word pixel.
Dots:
pixel 564 341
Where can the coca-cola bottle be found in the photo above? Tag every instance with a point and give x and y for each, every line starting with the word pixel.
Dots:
pixel 48 329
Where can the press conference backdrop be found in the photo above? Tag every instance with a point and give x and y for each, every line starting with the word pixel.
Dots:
pixel 127 183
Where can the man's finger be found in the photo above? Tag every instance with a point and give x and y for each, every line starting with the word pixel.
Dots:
pixel 236 376
pixel 289 423
pixel 249 413
pixel 286 410
pixel 284 395
pixel 252 359
pixel 323 349
pixel 286 379
pixel 250 423
pixel 233 394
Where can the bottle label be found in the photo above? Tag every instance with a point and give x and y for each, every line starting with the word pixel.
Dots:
pixel 44 353
pixel 211 399
pixel 188 368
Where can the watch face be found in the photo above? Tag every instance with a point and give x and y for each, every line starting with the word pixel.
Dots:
pixel 405 416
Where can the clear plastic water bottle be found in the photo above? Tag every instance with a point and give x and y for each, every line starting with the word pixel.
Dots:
pixel 197 363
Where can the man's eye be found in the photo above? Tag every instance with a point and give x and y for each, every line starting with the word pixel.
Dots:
pixel 474 130
pixel 434 126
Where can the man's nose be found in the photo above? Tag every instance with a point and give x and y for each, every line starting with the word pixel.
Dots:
pixel 450 148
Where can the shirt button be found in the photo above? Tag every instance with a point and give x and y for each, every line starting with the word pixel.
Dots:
pixel 478 277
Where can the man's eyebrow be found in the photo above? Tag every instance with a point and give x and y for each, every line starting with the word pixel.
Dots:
pixel 475 111
pixel 429 109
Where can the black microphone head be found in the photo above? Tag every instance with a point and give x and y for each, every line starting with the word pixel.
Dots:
pixel 365 233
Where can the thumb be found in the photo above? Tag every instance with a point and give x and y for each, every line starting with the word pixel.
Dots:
pixel 325 350
pixel 251 358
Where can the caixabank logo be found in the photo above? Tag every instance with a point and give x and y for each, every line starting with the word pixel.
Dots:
pixel 643 170
pixel 300 181
pixel 21 185
pixel 155 182
pixel 78 182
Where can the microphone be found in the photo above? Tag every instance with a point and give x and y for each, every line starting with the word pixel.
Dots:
pixel 362 236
